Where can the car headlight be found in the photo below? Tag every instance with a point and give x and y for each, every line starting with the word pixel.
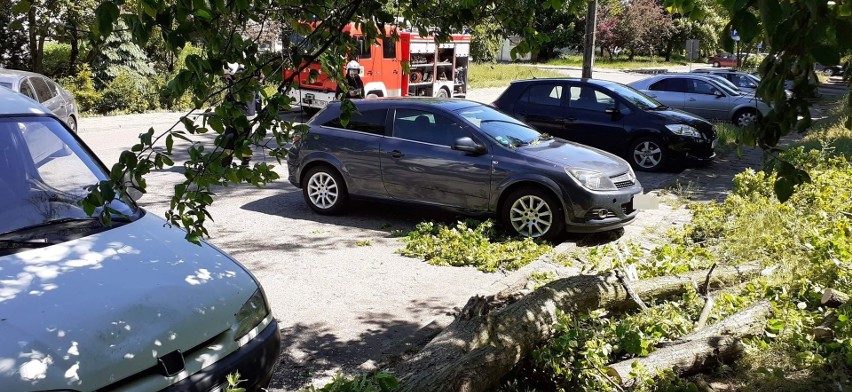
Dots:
pixel 684 130
pixel 250 314
pixel 591 179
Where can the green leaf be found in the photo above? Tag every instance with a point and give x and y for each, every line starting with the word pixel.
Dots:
pixel 826 54
pixel 203 14
pixel 170 142
pixel 21 8
pixel 105 15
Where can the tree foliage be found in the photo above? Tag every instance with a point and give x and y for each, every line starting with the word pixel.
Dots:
pixel 13 41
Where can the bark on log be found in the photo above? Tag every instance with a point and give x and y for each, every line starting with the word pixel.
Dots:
pixel 690 352
pixel 824 332
pixel 479 347
pixel 834 298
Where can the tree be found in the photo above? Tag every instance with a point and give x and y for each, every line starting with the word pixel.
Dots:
pixel 13 42
pixel 643 28
pixel 607 37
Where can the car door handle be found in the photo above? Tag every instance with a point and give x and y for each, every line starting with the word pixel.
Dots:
pixel 568 120
pixel 395 72
pixel 652 95
pixel 691 99
pixel 369 72
pixel 396 154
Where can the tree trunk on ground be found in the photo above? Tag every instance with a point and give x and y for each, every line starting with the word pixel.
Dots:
pixel 833 298
pixel 479 347
pixel 691 352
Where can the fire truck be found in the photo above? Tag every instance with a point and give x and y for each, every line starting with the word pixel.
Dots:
pixel 435 69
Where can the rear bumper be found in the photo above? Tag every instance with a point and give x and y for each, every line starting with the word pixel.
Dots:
pixel 255 362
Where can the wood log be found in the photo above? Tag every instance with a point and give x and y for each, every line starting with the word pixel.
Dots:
pixel 692 351
pixel 824 332
pixel 479 347
pixel 834 298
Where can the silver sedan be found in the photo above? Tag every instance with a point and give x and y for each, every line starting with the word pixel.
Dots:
pixel 44 91
pixel 705 96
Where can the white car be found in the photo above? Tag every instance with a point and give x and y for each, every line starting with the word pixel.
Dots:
pixel 130 307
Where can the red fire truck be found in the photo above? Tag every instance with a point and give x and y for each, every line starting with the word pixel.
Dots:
pixel 435 69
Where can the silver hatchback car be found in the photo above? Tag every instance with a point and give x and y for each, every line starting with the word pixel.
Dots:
pixel 705 96
pixel 44 91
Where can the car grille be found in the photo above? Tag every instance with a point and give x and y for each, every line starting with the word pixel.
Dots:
pixel 623 180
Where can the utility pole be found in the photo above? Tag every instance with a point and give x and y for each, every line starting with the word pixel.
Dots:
pixel 589 50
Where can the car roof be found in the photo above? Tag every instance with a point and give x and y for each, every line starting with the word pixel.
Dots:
pixel 12 103
pixel 412 102
pixel 597 82
pixel 17 73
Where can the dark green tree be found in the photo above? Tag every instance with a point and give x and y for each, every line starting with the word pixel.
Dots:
pixel 13 41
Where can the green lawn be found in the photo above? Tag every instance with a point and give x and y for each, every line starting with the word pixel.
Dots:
pixel 499 75
pixel 618 62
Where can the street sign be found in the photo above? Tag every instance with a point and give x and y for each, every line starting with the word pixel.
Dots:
pixel 734 35
pixel 692 49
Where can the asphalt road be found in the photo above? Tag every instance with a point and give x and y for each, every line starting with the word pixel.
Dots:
pixel 342 293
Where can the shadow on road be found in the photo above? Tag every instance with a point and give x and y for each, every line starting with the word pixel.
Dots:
pixel 310 350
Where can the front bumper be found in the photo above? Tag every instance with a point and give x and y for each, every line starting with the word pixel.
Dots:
pixel 601 211
pixel 255 362
pixel 691 149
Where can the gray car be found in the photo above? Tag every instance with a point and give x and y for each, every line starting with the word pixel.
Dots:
pixel 746 82
pixel 465 156
pixel 42 90
pixel 705 96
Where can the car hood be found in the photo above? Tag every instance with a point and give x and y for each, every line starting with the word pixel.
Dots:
pixel 576 156
pixel 91 311
pixel 675 116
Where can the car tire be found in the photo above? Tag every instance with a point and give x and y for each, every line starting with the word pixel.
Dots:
pixel 72 124
pixel 533 212
pixel 828 72
pixel 647 153
pixel 746 117
pixel 442 93
pixel 324 190
pixel 716 64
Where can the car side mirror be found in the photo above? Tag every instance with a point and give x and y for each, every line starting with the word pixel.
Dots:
pixel 467 144
pixel 718 94
pixel 611 110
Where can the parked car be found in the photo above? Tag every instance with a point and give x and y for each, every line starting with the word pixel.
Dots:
pixel 723 60
pixel 829 70
pixel 465 156
pixel 130 306
pixel 612 117
pixel 703 95
pixel 742 80
pixel 43 90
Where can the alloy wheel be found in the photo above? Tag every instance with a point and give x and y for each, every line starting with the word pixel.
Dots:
pixel 647 154
pixel 322 190
pixel 531 216
pixel 746 118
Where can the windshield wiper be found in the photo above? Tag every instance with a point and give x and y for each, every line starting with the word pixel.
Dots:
pixel 63 221
pixel 35 243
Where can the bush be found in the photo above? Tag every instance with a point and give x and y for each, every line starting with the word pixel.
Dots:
pixel 130 92
pixel 82 87
pixel 57 58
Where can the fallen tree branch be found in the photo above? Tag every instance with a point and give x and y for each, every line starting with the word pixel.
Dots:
pixel 834 298
pixel 625 282
pixel 691 352
pixel 477 349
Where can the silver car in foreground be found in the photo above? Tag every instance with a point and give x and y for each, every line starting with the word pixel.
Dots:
pixel 44 91
pixel 705 96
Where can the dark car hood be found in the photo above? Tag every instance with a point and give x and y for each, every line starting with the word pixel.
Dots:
pixel 681 117
pixel 575 155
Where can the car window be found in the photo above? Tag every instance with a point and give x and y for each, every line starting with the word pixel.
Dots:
pixel 27 90
pixel 741 81
pixel 701 87
pixel 364 48
pixel 543 94
pixel 43 91
pixel 631 95
pixel 426 127
pixel 7 85
pixel 677 85
pixel 588 98
pixel 370 121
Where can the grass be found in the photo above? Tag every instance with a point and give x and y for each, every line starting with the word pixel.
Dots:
pixel 484 75
pixel 618 62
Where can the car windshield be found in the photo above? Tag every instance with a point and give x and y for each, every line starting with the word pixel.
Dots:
pixel 44 173
pixel 500 127
pixel 728 87
pixel 635 97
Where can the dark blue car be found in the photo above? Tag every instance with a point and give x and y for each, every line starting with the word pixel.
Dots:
pixel 465 156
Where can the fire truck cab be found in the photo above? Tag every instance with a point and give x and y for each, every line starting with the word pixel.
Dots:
pixel 435 69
